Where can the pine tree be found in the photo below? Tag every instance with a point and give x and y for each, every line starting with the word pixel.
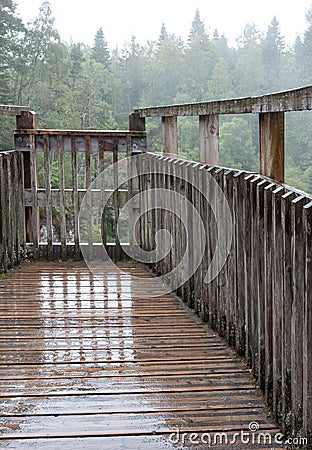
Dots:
pixel 198 32
pixel 163 35
pixel 199 62
pixel 273 47
pixel 100 51
pixel 77 59
pixel 248 72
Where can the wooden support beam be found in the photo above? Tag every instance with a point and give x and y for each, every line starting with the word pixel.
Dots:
pixel 27 120
pixel 209 139
pixel 271 134
pixel 170 135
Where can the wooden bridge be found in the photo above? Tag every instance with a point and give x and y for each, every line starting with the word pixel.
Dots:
pixel 101 240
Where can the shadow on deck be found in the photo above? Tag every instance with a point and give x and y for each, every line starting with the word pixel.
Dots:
pixel 86 364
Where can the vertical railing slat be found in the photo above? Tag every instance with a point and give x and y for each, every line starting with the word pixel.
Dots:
pixel 268 291
pixel 3 213
pixel 297 328
pixel 307 322
pixel 47 173
pixel 89 195
pixel 287 299
pixel 102 187
pixel 15 192
pixel 239 226
pixel 9 210
pixel 259 280
pixel 75 200
pixel 34 197
pixel 19 212
pixel 116 200
pixel 61 175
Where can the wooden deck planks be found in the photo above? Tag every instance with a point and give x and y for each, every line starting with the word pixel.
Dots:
pixel 89 366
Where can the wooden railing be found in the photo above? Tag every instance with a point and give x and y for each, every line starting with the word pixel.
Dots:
pixel 260 300
pixel 60 165
pixel 270 109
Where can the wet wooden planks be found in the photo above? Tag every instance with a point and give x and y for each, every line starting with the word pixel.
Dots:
pixel 84 364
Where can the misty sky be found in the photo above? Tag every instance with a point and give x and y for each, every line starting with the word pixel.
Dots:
pixel 120 19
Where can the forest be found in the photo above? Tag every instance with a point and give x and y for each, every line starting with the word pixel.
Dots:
pixel 76 86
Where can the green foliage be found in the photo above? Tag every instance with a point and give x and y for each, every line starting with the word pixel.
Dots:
pixel 7 126
pixel 10 27
pixel 74 86
pixel 188 138
pixel 221 83
pixel 237 149
pixel 39 38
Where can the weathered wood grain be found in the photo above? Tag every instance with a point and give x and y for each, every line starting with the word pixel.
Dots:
pixel 12 220
pixel 70 149
pixel 61 176
pixel 170 135
pixel 209 139
pixel 307 323
pixel 292 100
pixel 271 132
pixel 257 300
pixel 157 369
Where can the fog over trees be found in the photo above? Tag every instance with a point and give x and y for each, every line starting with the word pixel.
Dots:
pixel 73 85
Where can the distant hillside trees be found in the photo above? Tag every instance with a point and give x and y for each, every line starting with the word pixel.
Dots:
pixel 73 85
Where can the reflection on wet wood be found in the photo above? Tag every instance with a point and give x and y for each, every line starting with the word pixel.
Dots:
pixel 88 365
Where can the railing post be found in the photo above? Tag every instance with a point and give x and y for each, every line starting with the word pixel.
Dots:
pixel 271 135
pixel 170 135
pixel 209 139
pixel 26 120
pixel 136 123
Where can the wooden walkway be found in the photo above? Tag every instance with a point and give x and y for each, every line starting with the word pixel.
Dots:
pixel 85 365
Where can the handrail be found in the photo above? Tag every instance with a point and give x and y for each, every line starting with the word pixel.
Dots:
pixel 12 110
pixel 298 99
pixel 271 109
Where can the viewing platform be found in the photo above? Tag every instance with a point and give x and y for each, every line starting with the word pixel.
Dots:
pixel 149 301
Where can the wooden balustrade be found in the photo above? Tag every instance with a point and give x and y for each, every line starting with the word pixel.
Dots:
pixel 60 166
pixel 260 300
